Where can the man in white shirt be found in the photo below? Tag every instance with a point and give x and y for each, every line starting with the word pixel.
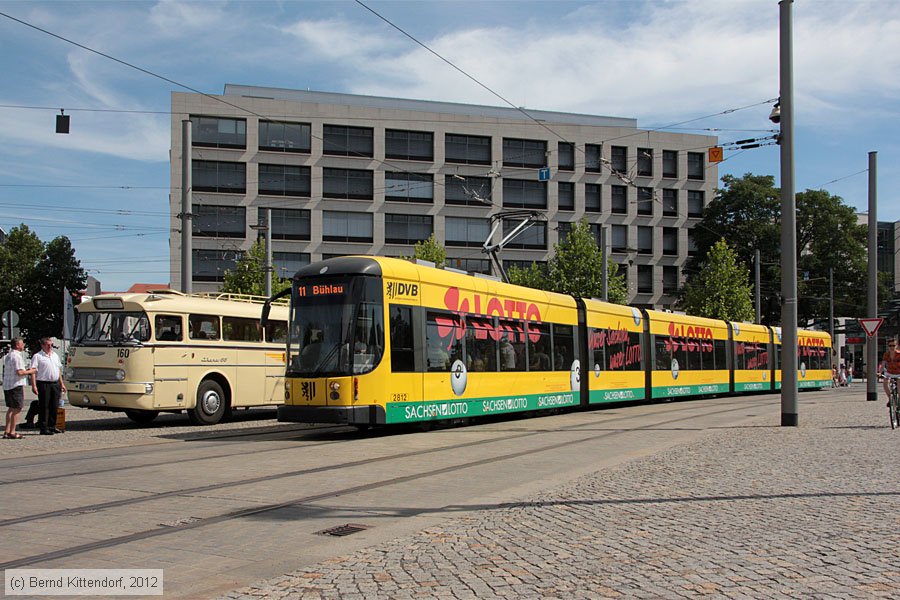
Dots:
pixel 15 375
pixel 47 383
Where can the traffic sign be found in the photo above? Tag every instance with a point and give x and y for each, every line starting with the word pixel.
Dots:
pixel 544 174
pixel 870 326
pixel 10 318
pixel 715 154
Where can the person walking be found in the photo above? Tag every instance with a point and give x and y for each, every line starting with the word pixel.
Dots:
pixel 47 383
pixel 15 376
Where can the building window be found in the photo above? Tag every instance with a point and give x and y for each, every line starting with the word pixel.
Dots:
pixel 670 163
pixel 670 203
pixel 287 223
pixel 409 187
pixel 619 238
pixel 619 194
pixel 279 136
pixel 566 158
pixel 219 176
pixel 563 229
pixel 524 153
pixel 695 165
pixel 645 279
pixel 670 280
pixel 343 140
pixel 533 238
pixel 467 149
pixel 338 226
pixel 523 265
pixel 284 180
pixel 471 265
pixel 407 229
pixel 218 132
pixel 692 244
pixel 211 265
pixel 347 183
pixel 408 145
pixel 288 263
pixel 592 156
pixel 566 194
pixel 645 201
pixel 523 193
pixel 618 159
pixel 695 203
pixel 219 221
pixel 645 162
pixel 670 241
pixel 595 232
pixel 592 197
pixel 475 191
pixel 644 240
pixel 464 231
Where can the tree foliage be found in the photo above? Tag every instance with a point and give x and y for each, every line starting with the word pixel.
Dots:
pixel 430 250
pixel 576 268
pixel 34 275
pixel 249 274
pixel 721 289
pixel 747 212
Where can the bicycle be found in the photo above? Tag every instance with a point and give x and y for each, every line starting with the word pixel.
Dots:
pixel 894 402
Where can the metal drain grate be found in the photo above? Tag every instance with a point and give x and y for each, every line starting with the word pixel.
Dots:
pixel 342 530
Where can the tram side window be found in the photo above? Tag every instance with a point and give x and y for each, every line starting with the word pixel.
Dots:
pixel 563 347
pixel 235 329
pixel 512 345
pixel 539 347
pixel 276 332
pixel 204 327
pixel 689 355
pixel 402 346
pixel 443 340
pixel 721 352
pixel 168 328
pixel 663 353
pixel 481 347
pixel 597 348
pixel 762 357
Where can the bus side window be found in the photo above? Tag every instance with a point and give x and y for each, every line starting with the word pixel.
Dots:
pixel 236 329
pixel 168 328
pixel 204 327
pixel 276 332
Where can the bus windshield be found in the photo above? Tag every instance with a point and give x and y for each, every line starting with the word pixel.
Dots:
pixel 337 327
pixel 112 328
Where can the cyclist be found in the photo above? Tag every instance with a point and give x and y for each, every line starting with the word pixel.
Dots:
pixel 891 362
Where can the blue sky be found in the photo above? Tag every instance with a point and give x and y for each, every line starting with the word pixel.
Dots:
pixel 105 185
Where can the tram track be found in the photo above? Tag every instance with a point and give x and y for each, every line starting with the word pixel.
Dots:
pixel 305 499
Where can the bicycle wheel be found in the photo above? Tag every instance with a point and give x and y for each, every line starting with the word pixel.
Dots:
pixel 893 409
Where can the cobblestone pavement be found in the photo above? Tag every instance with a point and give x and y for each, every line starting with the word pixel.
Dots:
pixel 757 511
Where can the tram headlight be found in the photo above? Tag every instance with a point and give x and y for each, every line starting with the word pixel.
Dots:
pixel 120 375
pixel 335 386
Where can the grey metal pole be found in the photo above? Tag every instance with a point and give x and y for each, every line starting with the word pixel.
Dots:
pixel 268 252
pixel 186 216
pixel 831 312
pixel 872 342
pixel 756 294
pixel 789 415
pixel 605 269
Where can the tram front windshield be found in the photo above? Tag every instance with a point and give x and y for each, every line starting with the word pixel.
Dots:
pixel 337 326
pixel 115 328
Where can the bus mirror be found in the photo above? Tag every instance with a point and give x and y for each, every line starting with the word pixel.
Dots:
pixel 264 320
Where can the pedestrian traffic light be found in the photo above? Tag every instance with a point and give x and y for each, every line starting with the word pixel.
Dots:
pixel 62 122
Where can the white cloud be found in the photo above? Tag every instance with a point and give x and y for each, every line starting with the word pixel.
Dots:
pixel 333 39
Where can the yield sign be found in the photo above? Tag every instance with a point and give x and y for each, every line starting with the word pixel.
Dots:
pixel 870 326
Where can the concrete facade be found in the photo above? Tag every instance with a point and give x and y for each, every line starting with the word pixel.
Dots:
pixel 656 225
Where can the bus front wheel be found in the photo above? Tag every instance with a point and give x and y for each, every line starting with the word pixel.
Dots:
pixel 142 417
pixel 211 404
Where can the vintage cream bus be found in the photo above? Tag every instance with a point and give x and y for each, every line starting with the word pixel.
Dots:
pixel 164 351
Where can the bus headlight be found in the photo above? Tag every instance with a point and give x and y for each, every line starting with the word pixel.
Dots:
pixel 86 399
pixel 120 375
pixel 70 373
pixel 148 388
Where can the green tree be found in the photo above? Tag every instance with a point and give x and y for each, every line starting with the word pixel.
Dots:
pixel 721 289
pixel 249 274
pixel 747 212
pixel 575 269
pixel 430 250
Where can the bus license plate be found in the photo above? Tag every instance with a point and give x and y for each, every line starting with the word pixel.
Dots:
pixel 87 387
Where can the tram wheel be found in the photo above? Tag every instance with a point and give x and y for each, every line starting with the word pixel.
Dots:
pixel 142 417
pixel 211 404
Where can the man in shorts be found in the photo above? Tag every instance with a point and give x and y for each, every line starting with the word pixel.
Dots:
pixel 891 365
pixel 15 376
